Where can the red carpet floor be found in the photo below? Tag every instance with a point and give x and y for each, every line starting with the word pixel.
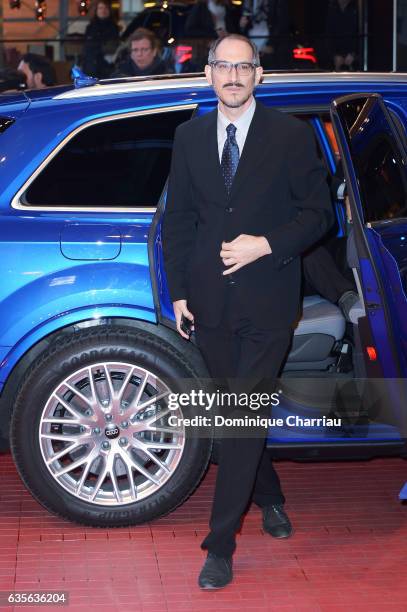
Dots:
pixel 349 551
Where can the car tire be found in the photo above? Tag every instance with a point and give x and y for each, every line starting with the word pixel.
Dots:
pixel 83 352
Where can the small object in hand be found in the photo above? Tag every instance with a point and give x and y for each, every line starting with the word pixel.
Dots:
pixel 186 325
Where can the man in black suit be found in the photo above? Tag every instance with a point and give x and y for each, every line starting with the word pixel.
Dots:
pixel 247 195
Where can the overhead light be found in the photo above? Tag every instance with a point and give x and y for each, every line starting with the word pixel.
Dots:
pixel 83 7
pixel 40 10
pixel 15 4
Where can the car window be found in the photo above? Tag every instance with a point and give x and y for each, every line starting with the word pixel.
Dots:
pixel 309 118
pixel 324 121
pixel 378 163
pixel 119 162
pixel 159 23
pixel 399 127
pixel 382 182
pixel 381 177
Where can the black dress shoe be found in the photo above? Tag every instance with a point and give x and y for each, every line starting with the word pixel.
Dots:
pixel 216 572
pixel 276 521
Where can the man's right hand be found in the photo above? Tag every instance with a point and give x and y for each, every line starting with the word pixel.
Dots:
pixel 180 308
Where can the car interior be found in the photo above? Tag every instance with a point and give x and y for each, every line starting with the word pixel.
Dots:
pixel 323 339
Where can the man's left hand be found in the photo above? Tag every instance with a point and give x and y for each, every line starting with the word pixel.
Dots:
pixel 243 250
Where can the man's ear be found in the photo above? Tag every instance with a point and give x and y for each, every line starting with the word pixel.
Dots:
pixel 259 74
pixel 38 80
pixel 208 74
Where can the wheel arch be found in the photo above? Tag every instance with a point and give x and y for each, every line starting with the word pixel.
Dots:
pixel 20 365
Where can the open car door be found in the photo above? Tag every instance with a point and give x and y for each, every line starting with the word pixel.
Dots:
pixel 373 152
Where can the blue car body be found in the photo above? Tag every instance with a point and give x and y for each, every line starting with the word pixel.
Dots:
pixel 64 267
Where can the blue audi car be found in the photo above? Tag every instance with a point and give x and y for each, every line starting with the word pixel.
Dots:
pixel 89 354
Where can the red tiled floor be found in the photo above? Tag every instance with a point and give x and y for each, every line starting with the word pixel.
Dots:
pixel 349 550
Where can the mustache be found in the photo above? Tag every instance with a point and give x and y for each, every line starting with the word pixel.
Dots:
pixel 231 84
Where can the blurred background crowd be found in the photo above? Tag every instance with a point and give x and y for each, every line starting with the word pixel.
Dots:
pixel 39 44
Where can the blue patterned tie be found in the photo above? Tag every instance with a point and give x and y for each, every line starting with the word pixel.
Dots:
pixel 230 157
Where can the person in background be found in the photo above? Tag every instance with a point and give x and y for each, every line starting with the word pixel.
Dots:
pixel 266 22
pixel 342 31
pixel 37 70
pixel 101 38
pixel 254 21
pixel 208 20
pixel 144 59
pixel 212 19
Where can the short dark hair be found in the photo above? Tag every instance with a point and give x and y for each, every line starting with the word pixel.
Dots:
pixel 141 33
pixel 216 43
pixel 94 7
pixel 40 63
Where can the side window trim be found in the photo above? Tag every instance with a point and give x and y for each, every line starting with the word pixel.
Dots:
pixel 17 202
pixel 314 115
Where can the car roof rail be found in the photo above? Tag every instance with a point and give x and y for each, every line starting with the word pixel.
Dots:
pixel 185 75
pixel 89 86
pixel 150 77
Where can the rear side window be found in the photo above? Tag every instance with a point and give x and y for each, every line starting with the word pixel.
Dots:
pixel 119 162
pixel 382 181
pixel 159 23
pixel 377 159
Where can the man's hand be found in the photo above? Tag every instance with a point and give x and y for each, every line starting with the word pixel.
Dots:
pixel 180 308
pixel 243 250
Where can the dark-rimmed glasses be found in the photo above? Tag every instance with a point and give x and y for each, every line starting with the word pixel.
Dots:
pixel 243 68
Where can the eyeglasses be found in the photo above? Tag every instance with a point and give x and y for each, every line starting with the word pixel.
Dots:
pixel 142 50
pixel 244 68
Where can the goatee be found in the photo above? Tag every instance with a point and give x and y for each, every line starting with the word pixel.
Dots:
pixel 237 103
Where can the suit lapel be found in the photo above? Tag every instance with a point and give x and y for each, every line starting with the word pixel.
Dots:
pixel 255 147
pixel 215 172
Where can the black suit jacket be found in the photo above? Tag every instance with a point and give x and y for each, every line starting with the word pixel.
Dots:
pixel 279 191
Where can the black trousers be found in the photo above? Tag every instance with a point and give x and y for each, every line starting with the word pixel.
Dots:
pixel 251 358
pixel 323 275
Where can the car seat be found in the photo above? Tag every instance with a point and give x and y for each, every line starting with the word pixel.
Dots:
pixel 322 325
